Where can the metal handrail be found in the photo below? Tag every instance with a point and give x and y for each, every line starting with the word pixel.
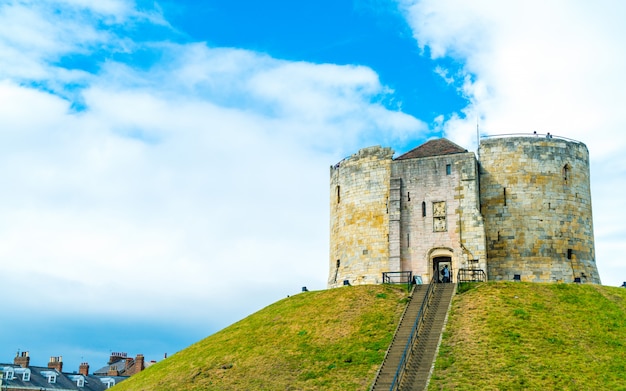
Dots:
pixel 406 308
pixel 404 360
pixel 476 275
pixel 405 277
pixel 546 135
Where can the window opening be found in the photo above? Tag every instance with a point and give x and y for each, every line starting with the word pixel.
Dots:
pixel 338 194
pixel 565 173
pixel 408 196
pixel 25 372
pixel 448 169
pixel 423 209
pixel 569 253
pixel 504 196
pixel 408 240
pixel 337 271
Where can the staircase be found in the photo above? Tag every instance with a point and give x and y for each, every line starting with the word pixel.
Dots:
pixel 421 360
pixel 418 372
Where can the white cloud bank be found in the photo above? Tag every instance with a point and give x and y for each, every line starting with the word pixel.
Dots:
pixel 182 189
pixel 555 67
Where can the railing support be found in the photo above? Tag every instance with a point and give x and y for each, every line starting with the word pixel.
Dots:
pixel 405 277
pixel 471 275
pixel 408 350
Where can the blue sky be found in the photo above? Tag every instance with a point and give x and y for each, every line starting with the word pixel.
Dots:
pixel 165 164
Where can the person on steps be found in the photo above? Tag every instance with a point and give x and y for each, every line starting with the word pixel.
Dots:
pixel 446 274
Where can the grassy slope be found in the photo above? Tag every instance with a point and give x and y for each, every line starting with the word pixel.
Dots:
pixel 324 340
pixel 517 336
pixel 500 336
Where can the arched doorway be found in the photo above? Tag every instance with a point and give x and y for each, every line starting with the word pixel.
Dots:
pixel 442 269
pixel 440 259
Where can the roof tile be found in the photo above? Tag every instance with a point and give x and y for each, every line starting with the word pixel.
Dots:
pixel 436 147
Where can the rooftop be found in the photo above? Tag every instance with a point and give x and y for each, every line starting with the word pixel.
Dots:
pixel 436 147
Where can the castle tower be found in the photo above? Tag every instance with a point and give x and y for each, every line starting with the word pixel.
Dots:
pixel 359 218
pixel 536 201
pixel 417 213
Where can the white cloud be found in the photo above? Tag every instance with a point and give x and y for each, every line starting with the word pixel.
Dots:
pixel 546 66
pixel 194 187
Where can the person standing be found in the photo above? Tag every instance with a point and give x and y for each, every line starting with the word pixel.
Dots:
pixel 446 274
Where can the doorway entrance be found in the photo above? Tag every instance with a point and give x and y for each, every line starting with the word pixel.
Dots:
pixel 442 269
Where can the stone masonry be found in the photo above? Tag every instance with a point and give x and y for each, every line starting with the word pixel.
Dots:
pixel 536 200
pixel 522 211
pixel 359 223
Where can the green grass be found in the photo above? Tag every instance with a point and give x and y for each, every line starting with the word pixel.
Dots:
pixel 522 336
pixel 499 336
pixel 323 340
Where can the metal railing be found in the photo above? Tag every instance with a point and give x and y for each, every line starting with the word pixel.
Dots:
pixel 408 350
pixel 544 135
pixel 471 275
pixel 405 277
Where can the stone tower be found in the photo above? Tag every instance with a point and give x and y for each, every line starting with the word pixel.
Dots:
pixel 536 201
pixel 418 212
pixel 520 212
pixel 359 218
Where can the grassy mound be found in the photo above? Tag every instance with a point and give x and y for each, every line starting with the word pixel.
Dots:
pixel 500 336
pixel 323 340
pixel 522 336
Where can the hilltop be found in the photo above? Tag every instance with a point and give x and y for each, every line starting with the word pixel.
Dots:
pixel 500 336
pixel 322 340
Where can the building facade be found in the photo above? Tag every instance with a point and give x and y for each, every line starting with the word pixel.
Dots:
pixel 21 376
pixel 521 211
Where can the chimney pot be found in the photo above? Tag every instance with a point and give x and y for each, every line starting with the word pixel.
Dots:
pixel 22 359
pixel 56 362
pixel 83 369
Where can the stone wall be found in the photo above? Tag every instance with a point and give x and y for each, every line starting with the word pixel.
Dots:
pixel 522 211
pixel 359 217
pixel 536 201
pixel 450 183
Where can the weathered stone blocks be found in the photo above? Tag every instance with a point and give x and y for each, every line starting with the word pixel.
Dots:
pixel 524 211
pixel 536 201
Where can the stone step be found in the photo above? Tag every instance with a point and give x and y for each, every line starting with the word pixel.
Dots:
pixel 427 341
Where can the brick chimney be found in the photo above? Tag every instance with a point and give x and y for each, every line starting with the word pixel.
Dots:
pixel 56 362
pixel 113 371
pixel 128 364
pixel 139 364
pixel 83 369
pixel 22 359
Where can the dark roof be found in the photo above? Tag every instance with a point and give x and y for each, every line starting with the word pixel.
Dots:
pixel 119 365
pixel 436 147
pixel 38 379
